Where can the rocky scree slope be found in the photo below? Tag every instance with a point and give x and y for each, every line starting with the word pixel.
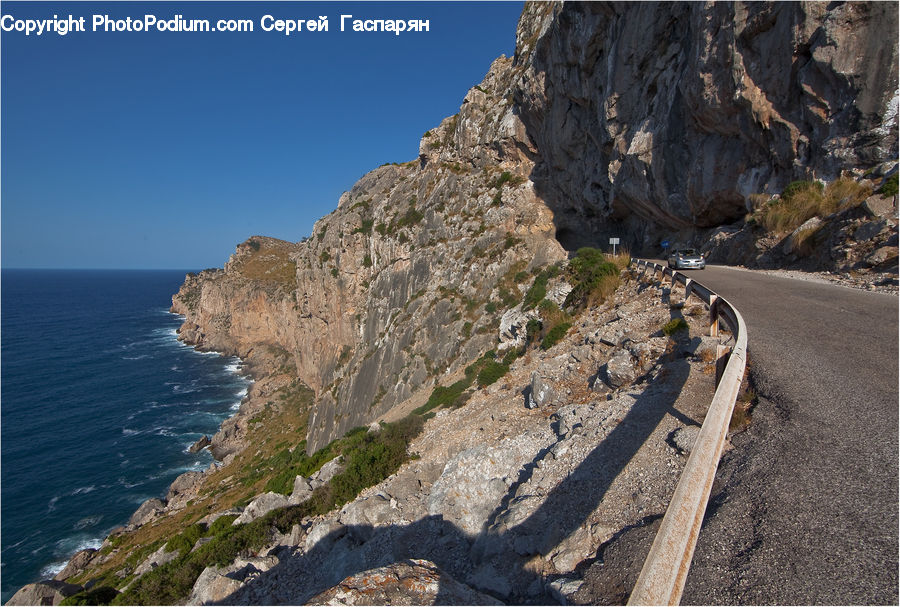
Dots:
pixel 512 496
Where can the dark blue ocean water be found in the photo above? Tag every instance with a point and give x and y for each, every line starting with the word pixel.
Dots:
pixel 98 404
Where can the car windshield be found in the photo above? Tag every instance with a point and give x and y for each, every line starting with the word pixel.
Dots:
pixel 687 252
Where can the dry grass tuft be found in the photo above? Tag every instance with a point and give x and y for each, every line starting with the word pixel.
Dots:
pixel 803 200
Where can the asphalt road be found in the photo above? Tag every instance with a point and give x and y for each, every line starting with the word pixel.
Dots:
pixel 805 507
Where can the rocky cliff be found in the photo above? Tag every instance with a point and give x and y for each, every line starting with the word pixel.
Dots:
pixel 402 283
pixel 634 119
pixel 651 118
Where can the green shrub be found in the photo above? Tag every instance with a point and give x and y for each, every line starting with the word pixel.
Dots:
pixel 367 261
pixel 554 335
pixel 222 525
pixel 510 356
pixel 491 372
pixel 365 228
pixel 103 595
pixel 324 256
pixel 889 187
pixel 443 396
pixel 185 541
pixel 593 278
pixel 801 187
pixel 490 307
pixel 254 244
pixel 533 330
pixel 334 272
pixel 537 292
pixel 675 325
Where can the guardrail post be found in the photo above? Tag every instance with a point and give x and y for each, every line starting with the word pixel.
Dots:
pixel 713 316
pixel 722 355
pixel 687 289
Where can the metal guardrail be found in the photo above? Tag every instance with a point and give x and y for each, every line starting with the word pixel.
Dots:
pixel 663 576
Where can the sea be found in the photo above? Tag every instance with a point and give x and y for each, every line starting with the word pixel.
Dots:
pixel 99 403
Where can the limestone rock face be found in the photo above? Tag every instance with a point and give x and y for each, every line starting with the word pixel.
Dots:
pixel 410 582
pixel 649 115
pixel 392 289
pixel 474 481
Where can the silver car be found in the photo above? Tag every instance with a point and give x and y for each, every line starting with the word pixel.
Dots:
pixel 686 259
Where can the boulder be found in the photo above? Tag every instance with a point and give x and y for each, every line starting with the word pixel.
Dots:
pixel 200 444
pixel 326 472
pixel 260 506
pixel 160 557
pixel 869 230
pixel 882 256
pixel 47 592
pixel 363 515
pixel 327 529
pixel 183 486
pixel 513 327
pixel 408 582
pixel 880 206
pixel 475 481
pixel 619 369
pixel 147 511
pixel 212 586
pixel 540 393
pixel 76 564
pixel 302 490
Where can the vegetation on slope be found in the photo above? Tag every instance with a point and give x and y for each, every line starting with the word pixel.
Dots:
pixel 803 200
pixel 368 458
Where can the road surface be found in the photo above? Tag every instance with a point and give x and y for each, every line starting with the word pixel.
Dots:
pixel 805 507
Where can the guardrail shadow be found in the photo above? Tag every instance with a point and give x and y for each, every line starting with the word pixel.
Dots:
pixel 499 561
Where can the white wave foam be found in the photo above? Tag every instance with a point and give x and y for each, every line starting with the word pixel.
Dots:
pixel 233 367
pixel 130 432
pixel 52 569
pixel 51 505
pixel 138 357
pixel 80 490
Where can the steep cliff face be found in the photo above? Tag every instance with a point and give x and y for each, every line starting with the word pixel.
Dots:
pixel 656 117
pixel 403 282
pixel 630 120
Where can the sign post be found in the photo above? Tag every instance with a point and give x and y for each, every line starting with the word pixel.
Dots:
pixel 614 242
pixel 665 245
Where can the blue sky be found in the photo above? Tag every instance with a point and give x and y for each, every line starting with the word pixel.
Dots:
pixel 165 150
